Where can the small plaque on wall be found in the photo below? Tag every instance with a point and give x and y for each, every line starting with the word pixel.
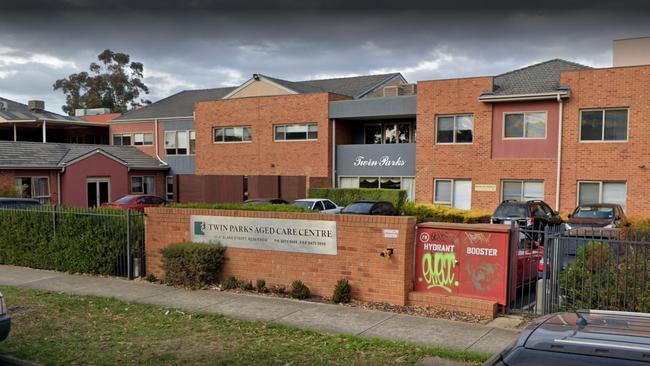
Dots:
pixel 485 187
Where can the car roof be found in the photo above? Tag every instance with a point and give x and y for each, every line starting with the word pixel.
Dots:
pixel 368 201
pixel 611 334
pixel 311 199
pixel 612 205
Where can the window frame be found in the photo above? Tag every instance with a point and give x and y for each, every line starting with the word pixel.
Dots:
pixel 601 183
pixel 144 191
pixel 122 135
pixel 169 195
pixel 214 128
pixel 382 127
pixel 451 191
pixel 602 140
pixel 522 181
pixel 175 132
pixel 143 139
pixel 285 125
pixel 455 128
pixel 503 126
pixel 32 179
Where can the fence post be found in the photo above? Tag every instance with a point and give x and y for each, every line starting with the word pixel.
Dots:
pixel 514 238
pixel 544 298
pixel 129 270
pixel 54 220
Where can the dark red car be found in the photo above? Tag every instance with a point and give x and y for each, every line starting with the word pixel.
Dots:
pixel 136 202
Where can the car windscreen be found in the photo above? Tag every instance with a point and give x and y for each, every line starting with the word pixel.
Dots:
pixel 303 204
pixel 511 210
pixel 359 207
pixel 587 212
pixel 125 199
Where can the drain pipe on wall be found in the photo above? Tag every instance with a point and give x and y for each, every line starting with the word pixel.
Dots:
pixel 333 153
pixel 155 124
pixel 559 154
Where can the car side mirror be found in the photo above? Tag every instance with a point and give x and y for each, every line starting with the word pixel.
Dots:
pixel 570 215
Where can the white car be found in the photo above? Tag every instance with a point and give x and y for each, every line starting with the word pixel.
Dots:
pixel 321 205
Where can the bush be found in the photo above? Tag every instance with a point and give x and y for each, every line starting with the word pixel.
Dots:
pixel 345 196
pixel 299 290
pixel 261 286
pixel 608 276
pixel 246 285
pixel 151 278
pixel 342 292
pixel 279 289
pixel 192 265
pixel 82 241
pixel 241 207
pixel 231 283
pixel 437 213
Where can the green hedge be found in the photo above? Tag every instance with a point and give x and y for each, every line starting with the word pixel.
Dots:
pixel 192 265
pixel 437 213
pixel 85 241
pixel 242 207
pixel 345 196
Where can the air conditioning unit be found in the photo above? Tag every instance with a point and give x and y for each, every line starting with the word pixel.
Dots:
pixel 391 91
pixel 36 105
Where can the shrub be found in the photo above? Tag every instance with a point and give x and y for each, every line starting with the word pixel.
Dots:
pixel 437 213
pixel 342 292
pixel 345 196
pixel 299 290
pixel 261 286
pixel 241 207
pixel 192 265
pixel 246 285
pixel 280 289
pixel 151 278
pixel 82 241
pixel 230 283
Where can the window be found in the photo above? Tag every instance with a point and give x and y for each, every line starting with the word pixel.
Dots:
pixel 231 134
pixel 121 139
pixel 603 125
pixel 522 190
pixel 453 192
pixel 169 188
pixel 329 205
pixel 143 185
pixel 405 183
pixel 34 187
pixel 142 139
pixel 602 192
pixel 180 142
pixel 526 125
pixel 456 129
pixel 389 133
pixel 296 132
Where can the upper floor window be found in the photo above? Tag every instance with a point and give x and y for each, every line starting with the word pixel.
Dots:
pixel 524 125
pixel 389 133
pixel 295 132
pixel 232 134
pixel 122 139
pixel 180 142
pixel 603 125
pixel 143 139
pixel 457 129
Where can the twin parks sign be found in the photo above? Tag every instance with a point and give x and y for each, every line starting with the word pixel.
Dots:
pixel 301 236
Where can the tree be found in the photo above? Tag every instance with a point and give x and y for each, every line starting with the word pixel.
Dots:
pixel 115 82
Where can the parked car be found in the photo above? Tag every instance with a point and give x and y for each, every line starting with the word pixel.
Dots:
pixel 601 215
pixel 136 202
pixel 370 208
pixel 531 215
pixel 529 254
pixel 5 320
pixel 321 205
pixel 261 201
pixel 590 338
pixel 18 203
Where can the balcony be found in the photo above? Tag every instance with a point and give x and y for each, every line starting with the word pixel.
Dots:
pixel 381 160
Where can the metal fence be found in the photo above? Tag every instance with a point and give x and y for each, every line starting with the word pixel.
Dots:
pixel 91 240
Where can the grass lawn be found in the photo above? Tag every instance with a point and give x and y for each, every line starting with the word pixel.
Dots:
pixel 60 329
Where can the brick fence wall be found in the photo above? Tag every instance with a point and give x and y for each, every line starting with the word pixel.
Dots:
pixel 360 241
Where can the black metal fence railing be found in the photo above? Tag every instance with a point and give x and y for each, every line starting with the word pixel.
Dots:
pixel 80 240
pixel 596 269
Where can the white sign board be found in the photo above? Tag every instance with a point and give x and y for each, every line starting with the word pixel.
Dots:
pixel 391 233
pixel 300 236
pixel 485 187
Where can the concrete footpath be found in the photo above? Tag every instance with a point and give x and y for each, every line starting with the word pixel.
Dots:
pixel 326 318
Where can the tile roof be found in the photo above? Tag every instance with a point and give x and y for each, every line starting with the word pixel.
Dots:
pixel 20 112
pixel 38 155
pixel 543 77
pixel 182 104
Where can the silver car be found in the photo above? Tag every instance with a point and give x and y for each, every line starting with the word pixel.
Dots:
pixel 322 205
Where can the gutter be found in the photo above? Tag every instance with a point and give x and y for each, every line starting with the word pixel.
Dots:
pixel 521 97
pixel 144 120
pixel 559 154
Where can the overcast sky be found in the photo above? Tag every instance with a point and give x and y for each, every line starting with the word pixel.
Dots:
pixel 208 44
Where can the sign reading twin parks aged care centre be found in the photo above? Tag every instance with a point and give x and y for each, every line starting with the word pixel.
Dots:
pixel 301 236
